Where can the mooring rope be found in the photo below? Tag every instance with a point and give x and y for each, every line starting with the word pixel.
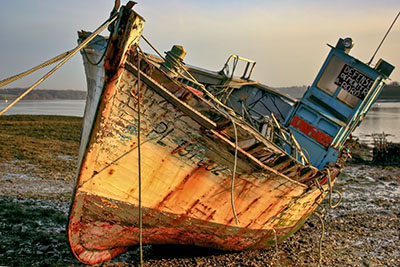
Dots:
pixel 38 67
pixel 152 46
pixel 193 79
pixel 328 174
pixel 139 166
pixel 101 57
pixel 276 248
pixel 66 58
pixel 234 169
pixel 234 172
pixel 320 215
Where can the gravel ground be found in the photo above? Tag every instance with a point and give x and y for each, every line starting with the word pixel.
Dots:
pixel 37 165
pixel 362 231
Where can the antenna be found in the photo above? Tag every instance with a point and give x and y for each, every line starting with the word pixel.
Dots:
pixel 384 37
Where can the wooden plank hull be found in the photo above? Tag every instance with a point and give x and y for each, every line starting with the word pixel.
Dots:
pixel 105 238
pixel 187 163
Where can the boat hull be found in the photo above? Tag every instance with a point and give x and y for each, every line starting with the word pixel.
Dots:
pixel 186 184
pixel 189 194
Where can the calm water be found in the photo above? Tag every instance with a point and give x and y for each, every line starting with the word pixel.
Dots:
pixel 47 107
pixel 383 117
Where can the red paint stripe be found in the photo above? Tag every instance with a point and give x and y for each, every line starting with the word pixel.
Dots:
pixel 194 91
pixel 311 131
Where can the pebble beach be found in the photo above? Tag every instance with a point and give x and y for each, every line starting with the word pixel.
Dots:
pixel 38 157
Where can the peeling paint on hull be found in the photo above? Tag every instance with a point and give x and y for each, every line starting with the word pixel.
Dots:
pixel 160 228
pixel 187 162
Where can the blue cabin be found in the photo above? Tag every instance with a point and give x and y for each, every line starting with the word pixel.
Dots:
pixel 320 122
pixel 335 104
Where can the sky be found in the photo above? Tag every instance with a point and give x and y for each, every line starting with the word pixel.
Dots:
pixel 288 39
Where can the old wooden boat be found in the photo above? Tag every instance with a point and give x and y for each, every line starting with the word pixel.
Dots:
pixel 225 162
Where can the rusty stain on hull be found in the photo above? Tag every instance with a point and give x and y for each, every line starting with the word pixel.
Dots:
pixel 187 163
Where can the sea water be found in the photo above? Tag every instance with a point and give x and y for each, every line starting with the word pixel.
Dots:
pixel 46 107
pixel 384 117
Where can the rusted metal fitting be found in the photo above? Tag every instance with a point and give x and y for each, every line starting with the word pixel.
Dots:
pixel 174 59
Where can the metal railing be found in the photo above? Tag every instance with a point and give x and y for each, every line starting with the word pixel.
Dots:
pixel 246 73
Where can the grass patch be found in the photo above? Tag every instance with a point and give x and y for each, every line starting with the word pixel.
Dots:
pixel 33 142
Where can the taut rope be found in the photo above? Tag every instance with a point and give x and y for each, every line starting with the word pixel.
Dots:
pixel 139 167
pixel 23 74
pixel 66 58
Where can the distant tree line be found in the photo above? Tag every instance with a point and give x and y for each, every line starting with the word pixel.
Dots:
pixel 42 94
pixel 391 92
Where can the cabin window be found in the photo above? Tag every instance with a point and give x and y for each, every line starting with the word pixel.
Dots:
pixel 354 84
pixel 348 99
pixel 328 78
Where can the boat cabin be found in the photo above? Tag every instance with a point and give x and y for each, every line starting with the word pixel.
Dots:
pixel 322 120
pixel 336 102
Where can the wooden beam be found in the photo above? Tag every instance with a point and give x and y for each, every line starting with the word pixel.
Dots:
pixel 187 109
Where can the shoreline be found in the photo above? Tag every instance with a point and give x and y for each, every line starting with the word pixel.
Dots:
pixel 36 190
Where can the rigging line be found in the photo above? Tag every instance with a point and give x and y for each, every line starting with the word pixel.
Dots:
pixel 104 53
pixel 68 57
pixel 328 174
pixel 190 78
pixel 221 110
pixel 265 106
pixel 234 164
pixel 276 248
pixel 234 171
pixel 306 153
pixel 139 165
pixel 255 102
pixel 155 49
pixel 273 100
pixel 320 216
pixel 115 161
pixel 248 115
pixel 229 91
pixel 101 58
pixel 278 126
pixel 384 37
pixel 298 147
pixel 44 64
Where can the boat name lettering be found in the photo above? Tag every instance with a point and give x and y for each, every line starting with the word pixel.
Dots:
pixel 186 149
pixel 354 82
